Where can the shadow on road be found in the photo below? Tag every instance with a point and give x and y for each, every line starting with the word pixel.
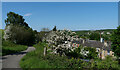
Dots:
pixel 20 53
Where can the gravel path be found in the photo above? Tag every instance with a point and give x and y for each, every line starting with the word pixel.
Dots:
pixel 12 61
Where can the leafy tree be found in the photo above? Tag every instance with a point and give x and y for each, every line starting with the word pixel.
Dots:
pixel 20 35
pixel 17 30
pixel 41 35
pixel 94 36
pixel 115 38
pixel 45 29
pixel 54 29
pixel 13 18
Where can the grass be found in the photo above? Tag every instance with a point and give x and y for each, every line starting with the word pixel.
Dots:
pixel 9 48
pixel 35 59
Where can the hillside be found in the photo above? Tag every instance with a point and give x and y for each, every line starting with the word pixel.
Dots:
pixel 105 33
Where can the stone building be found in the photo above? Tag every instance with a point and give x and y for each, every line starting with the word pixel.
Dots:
pixel 103 48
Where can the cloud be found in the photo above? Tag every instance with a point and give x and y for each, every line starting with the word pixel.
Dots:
pixel 28 14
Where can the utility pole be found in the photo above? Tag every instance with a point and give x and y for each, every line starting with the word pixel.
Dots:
pixel 100 35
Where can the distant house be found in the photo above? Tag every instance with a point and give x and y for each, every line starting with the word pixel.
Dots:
pixel 103 49
pixel 102 32
pixel 108 32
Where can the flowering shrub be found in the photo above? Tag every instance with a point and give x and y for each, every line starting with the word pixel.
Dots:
pixel 61 41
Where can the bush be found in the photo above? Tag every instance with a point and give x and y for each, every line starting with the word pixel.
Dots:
pixel 78 53
pixel 92 53
pixel 35 59
pixel 107 63
pixel 19 34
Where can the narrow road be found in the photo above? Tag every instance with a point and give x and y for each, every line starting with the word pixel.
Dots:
pixel 12 61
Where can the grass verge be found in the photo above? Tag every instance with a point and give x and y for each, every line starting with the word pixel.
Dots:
pixel 9 48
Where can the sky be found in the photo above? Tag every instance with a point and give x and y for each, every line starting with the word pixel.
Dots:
pixel 65 15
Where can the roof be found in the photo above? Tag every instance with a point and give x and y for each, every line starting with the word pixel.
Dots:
pixel 93 43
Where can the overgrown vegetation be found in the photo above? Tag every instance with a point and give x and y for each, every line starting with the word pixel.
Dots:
pixel 83 53
pixel 35 59
pixel 115 38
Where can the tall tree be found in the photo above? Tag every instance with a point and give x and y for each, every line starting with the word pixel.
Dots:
pixel 13 18
pixel 115 38
pixel 54 29
pixel 17 30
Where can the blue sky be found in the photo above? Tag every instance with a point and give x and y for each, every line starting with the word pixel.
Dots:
pixel 69 15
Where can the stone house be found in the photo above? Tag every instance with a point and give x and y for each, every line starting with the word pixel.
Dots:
pixel 103 48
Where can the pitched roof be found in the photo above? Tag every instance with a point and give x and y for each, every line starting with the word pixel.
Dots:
pixel 93 43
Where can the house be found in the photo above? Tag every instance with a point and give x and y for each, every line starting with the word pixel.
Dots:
pixel 102 32
pixel 108 32
pixel 103 48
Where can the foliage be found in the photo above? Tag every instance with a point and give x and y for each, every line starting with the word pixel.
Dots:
pixel 35 59
pixel 45 29
pixel 54 29
pixel 83 53
pixel 94 36
pixel 115 38
pixel 108 64
pixel 60 40
pixel 9 48
pixel 17 30
pixel 92 53
pixel 83 34
pixel 40 36
pixel 19 34
pixel 13 18
pixel 86 34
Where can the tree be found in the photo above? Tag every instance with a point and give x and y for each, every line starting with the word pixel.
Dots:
pixel 17 30
pixel 45 29
pixel 40 36
pixel 54 29
pixel 115 38
pixel 15 19
pixel 19 35
pixel 94 36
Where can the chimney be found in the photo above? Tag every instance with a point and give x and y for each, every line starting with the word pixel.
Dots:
pixel 101 40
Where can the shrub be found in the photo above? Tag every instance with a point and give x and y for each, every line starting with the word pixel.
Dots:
pixel 19 34
pixel 35 59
